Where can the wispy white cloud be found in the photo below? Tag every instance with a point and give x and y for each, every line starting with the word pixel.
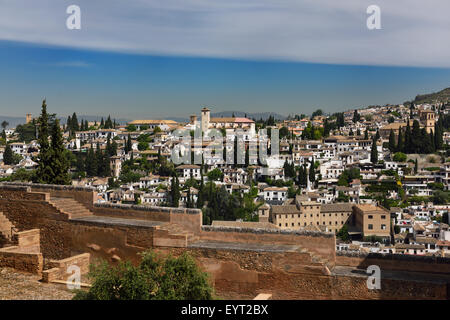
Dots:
pixel 414 32
pixel 69 64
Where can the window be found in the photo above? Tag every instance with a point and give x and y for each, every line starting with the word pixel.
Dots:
pixel 370 227
pixel 383 227
pixel 383 217
pixel 370 217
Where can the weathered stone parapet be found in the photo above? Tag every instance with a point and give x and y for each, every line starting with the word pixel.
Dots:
pixel 395 262
pixel 392 256
pixel 307 233
pixel 47 186
pixel 167 210
pixel 12 187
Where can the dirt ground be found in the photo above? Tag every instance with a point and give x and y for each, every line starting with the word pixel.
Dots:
pixel 22 286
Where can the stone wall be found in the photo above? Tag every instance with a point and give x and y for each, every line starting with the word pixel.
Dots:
pixel 24 261
pixel 25 255
pixel 290 275
pixel 191 219
pixel 85 195
pixel 319 243
pixel 394 262
pixel 61 269
pixel 129 211
pixel 235 273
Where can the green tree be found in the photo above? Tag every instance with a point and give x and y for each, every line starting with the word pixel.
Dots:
pixel 284 132
pixel 399 157
pixel 343 233
pixel 44 173
pixel 157 277
pixel 74 125
pixel 400 141
pixel 5 124
pixel 356 116
pixel 312 174
pixel 59 162
pixel 215 175
pixel 91 163
pixel 392 145
pixel 374 152
pixel 8 155
pixel 175 191
pixel 131 128
pixel 129 144
pixel 445 217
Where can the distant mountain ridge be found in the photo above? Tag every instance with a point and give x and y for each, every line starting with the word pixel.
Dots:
pixel 15 121
pixel 250 115
pixel 441 96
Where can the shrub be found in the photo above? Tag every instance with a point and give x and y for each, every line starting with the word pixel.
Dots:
pixel 155 278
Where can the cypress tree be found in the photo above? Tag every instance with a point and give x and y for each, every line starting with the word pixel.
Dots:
pixel 175 191
pixel 91 163
pixel 75 126
pixel 8 156
pixel 431 139
pixel 416 137
pixel 400 142
pixel 129 145
pixel 408 146
pixel 374 152
pixel 188 198
pixel 356 116
pixel 60 164
pixel 392 141
pixel 69 125
pixel 300 175
pixel 305 175
pixel 44 172
pixel 312 175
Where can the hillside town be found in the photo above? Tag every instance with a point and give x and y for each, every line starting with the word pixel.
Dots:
pixel 377 177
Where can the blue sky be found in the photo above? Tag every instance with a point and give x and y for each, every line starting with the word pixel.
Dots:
pixel 162 59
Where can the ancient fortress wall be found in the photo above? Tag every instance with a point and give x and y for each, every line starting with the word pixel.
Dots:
pixel 320 243
pixel 241 262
